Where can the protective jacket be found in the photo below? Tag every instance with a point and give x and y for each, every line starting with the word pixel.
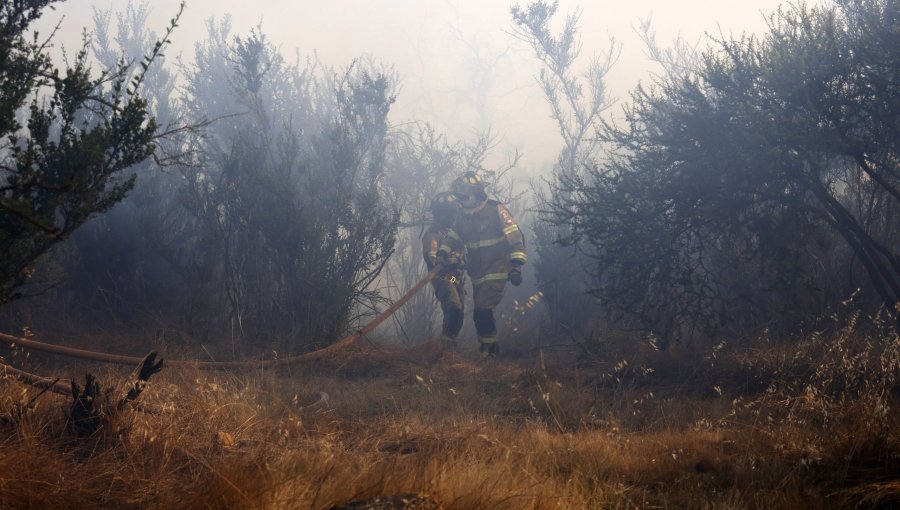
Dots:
pixel 491 239
pixel 449 286
pixel 432 240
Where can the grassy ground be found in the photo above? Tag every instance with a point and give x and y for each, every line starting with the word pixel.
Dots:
pixel 809 424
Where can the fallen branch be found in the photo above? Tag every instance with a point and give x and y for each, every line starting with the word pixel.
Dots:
pixel 148 367
pixel 87 412
pixel 37 381
pixel 85 415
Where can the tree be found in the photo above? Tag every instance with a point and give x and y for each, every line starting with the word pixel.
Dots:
pixel 287 202
pixel 68 137
pixel 274 227
pixel 734 182
pixel 117 264
pixel 576 102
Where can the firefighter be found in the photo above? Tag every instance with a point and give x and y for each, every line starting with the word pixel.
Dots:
pixel 495 252
pixel 449 285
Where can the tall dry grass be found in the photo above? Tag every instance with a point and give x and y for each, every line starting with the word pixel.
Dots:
pixel 804 424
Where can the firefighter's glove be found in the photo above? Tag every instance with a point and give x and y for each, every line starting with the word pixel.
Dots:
pixel 451 260
pixel 515 276
pixel 448 263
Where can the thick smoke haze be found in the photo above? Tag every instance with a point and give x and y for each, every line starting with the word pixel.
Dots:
pixel 460 68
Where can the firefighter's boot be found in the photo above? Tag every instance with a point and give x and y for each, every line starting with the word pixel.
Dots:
pixel 489 347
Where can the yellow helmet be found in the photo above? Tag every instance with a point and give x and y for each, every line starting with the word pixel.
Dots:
pixel 469 185
pixel 444 207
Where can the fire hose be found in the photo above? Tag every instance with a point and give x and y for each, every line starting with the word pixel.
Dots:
pixel 206 365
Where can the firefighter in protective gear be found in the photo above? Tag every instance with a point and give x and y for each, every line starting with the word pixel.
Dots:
pixel 495 253
pixel 449 284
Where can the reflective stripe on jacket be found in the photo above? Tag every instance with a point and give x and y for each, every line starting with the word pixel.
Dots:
pixel 491 239
pixel 432 240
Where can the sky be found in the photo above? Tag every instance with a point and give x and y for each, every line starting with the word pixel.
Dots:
pixel 460 68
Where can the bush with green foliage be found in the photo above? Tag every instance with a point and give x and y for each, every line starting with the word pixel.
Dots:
pixel 288 222
pixel 68 137
pixel 576 101
pixel 762 187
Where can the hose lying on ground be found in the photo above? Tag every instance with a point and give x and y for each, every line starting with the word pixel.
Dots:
pixel 56 386
pixel 220 365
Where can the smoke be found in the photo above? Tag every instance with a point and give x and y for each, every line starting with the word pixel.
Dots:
pixel 460 69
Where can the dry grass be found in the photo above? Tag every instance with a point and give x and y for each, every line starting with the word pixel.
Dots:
pixel 801 425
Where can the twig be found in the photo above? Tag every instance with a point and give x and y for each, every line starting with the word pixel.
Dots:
pixel 45 390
